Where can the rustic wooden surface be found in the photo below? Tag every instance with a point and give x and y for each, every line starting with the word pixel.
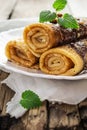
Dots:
pixel 51 116
pixel 10 9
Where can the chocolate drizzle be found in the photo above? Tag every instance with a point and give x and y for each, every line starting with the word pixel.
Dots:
pixel 81 48
pixel 73 35
pixel 70 35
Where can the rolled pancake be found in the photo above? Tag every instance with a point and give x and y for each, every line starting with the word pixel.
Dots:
pixel 62 60
pixel 40 37
pixel 18 52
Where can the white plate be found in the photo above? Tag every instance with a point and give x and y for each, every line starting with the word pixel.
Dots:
pixel 17 33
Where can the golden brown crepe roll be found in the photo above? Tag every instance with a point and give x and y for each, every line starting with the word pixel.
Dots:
pixel 18 52
pixel 61 61
pixel 42 36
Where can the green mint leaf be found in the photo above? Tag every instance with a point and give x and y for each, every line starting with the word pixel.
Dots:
pixel 68 21
pixel 47 16
pixel 59 4
pixel 30 100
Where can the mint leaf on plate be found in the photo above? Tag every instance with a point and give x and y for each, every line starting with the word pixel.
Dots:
pixel 30 100
pixel 47 16
pixel 68 21
pixel 59 4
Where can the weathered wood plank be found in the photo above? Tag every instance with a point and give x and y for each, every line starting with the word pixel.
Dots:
pixel 3 75
pixel 64 117
pixel 6 7
pixel 36 119
pixel 6 122
pixel 83 113
pixel 52 116
pixel 17 125
pixel 8 94
pixel 32 8
pixel 5 95
pixel 1 98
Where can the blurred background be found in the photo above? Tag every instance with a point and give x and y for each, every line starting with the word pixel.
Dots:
pixel 11 9
pixel 23 8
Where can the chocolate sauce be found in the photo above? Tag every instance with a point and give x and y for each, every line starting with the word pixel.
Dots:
pixel 70 35
pixel 81 48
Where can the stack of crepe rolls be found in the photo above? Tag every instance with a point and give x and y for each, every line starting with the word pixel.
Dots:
pixel 41 37
pixel 52 48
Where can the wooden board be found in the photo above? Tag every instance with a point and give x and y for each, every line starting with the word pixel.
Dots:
pixel 25 8
pixel 50 116
pixel 6 8
pixel 32 8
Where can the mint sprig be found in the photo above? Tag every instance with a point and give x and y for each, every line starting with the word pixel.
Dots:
pixel 68 21
pixel 30 100
pixel 59 4
pixel 46 16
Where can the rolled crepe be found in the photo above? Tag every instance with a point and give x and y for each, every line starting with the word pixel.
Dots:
pixel 62 60
pixel 18 52
pixel 41 36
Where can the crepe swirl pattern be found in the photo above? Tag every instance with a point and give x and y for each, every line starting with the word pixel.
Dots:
pixel 62 60
pixel 42 36
pixel 17 51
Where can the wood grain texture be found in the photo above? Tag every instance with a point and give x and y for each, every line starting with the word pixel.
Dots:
pixel 83 113
pixel 50 116
pixel 32 8
pixel 63 116
pixel 36 119
pixel 6 7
